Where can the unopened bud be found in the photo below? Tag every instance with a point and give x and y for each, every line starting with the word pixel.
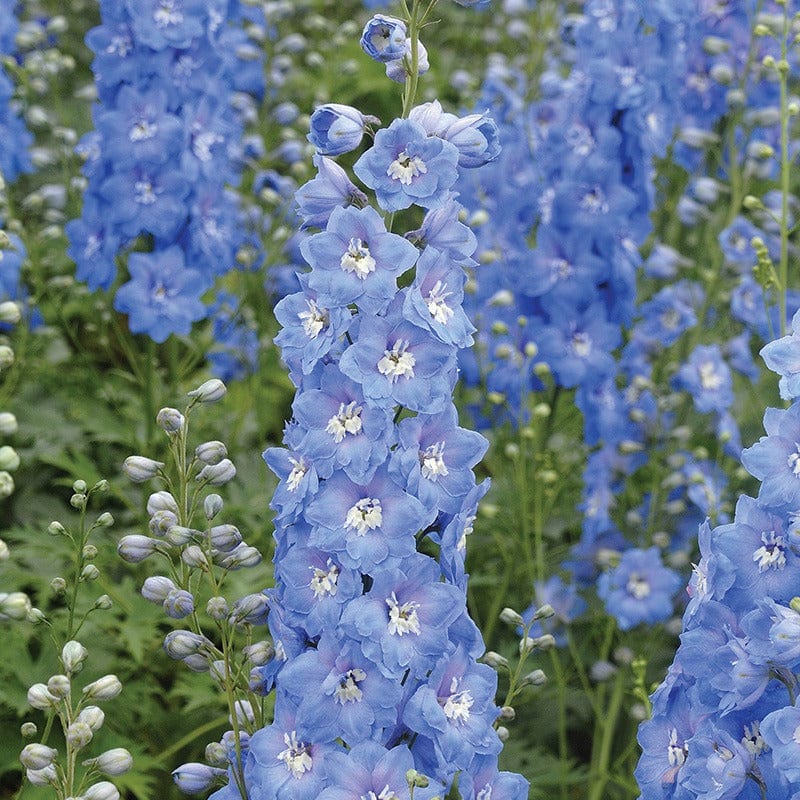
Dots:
pixel 416 779
pixel 241 557
pixel 105 520
pixel 55 528
pixel 15 605
pixel 89 573
pixel 217 608
pixel 105 688
pixel 78 735
pixel 135 548
pixel 6 485
pixel 212 505
pixel 194 777
pixel 10 313
pixel 544 612
pixel 28 730
pixel 508 713
pixel 92 716
pixel 217 474
pixel 43 777
pixel 8 423
pixel 534 678
pixel 104 790
pixel 6 356
pixel 40 697
pixel 209 392
pixel 161 501
pixel 156 588
pixel 9 460
pixel 116 761
pixel 259 653
pixel 211 452
pixel 140 469
pixel 503 733
pixel 224 537
pixel 37 756
pixel 495 660
pixel 170 420
pixel 511 617
pixel 58 686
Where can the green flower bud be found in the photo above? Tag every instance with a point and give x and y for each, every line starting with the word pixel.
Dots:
pixel 15 605
pixel 105 688
pixel 105 520
pixel 78 735
pixel 73 654
pixel 58 686
pixel 79 487
pixel 10 313
pixel 37 756
pixel 6 356
pixel 209 392
pixel 116 761
pixel 8 423
pixel 93 716
pixel 28 730
pixel 6 485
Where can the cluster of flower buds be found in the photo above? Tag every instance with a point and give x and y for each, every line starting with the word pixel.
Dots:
pixel 80 720
pixel 199 551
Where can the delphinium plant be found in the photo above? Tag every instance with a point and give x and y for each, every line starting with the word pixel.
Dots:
pixel 199 553
pixel 377 688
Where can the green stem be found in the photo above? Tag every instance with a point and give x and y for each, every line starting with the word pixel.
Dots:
pixel 412 62
pixel 608 725
pixel 783 264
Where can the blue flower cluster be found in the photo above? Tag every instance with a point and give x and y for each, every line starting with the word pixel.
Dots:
pixel 725 722
pixel 378 692
pixel 166 143
pixel 14 157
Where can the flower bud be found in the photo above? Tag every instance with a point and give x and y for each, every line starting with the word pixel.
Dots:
pixel 104 602
pixel 104 790
pixel 161 501
pixel 78 501
pixel 507 713
pixel 503 733
pixel 116 761
pixel 511 617
pixel 105 688
pixel 544 612
pixel 78 735
pixel 10 313
pixel 37 756
pixel 534 678
pixel 89 551
pixel 259 653
pixel 210 452
pixel 217 608
pixel 216 754
pixel 55 528
pixel 416 779
pixel 43 777
pixel 100 486
pixel 39 696
pixel 93 716
pixel 140 469
pixel 178 604
pixel 105 520
pixel 224 537
pixel 135 548
pixel 212 505
pixel 58 686
pixel 252 608
pixel 193 556
pixel 6 356
pixel 161 522
pixel 8 423
pixel 156 588
pixel 58 585
pixel 9 460
pixel 196 663
pixel 181 644
pixel 178 535
pixel 209 392
pixel 28 730
pixel 6 485
pixel 495 660
pixel 89 573
pixel 240 557
pixel 15 605
pixel 5 553
pixel 217 474
pixel 170 420
pixel 73 654
pixel 193 778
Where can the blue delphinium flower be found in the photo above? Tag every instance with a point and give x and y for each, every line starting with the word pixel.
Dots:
pixel 337 129
pixel 375 671
pixel 166 142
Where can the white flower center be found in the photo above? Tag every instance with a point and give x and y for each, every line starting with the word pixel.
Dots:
pixel 324 584
pixel 796 735
pixel 432 462
pixel 701 585
pixel 313 320
pixel 461 545
pixel 357 259
pixel 402 618
pixel 144 193
pixel 753 740
pixel 166 14
pixel 364 516
pixel 299 469
pixel 709 377
pixel 385 794
pixel 771 554
pixel 202 144
pixel 456 707
pixel 485 793
pixel 670 319
pixel 794 460
pixel 346 420
pixel 581 344
pixel 594 201
pixel 675 753
pixel 437 306
pixel 120 46
pixel 560 269
pixel 405 168
pixel 296 756
pixel 347 691
pixel 142 130
pixel 397 362
pixel 638 586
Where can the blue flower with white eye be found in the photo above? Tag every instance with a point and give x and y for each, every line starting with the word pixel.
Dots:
pixel 298 481
pixel 639 589
pixel 343 431
pixel 384 38
pixel 783 357
pixel 707 378
pixel 455 709
pixel 315 587
pixel 356 260
pixel 337 128
pixel 368 525
pixel 397 362
pixel 405 166
pixel 167 23
pixel 434 459
pixel 163 295
pixel 402 622
pixel 780 733
pixel 354 700
pixel 434 299
pixel 443 230
pixel 482 779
